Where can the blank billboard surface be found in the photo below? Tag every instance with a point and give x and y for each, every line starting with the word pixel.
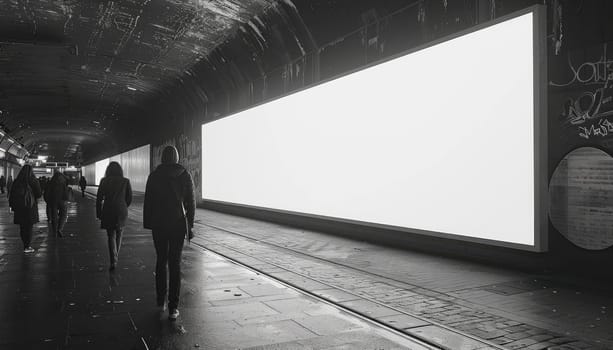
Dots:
pixel 440 140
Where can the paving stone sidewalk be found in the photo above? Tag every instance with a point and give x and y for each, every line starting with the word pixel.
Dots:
pixel 379 297
pixel 505 318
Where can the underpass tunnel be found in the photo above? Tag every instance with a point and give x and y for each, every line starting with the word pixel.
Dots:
pixel 437 172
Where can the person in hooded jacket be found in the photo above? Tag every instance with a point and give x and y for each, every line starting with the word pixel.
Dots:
pixel 25 217
pixel 112 201
pixel 169 212
pixel 55 196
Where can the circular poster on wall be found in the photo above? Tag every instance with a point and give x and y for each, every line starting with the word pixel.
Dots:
pixel 581 198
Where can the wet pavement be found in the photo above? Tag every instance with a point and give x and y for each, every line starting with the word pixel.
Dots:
pixel 509 308
pixel 453 303
pixel 448 303
pixel 63 297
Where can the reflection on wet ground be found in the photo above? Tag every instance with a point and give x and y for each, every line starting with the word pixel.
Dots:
pixel 63 297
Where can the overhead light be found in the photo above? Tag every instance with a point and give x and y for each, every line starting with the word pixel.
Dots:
pixel 131 88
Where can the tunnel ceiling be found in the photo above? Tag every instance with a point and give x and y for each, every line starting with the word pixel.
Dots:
pixel 84 79
pixel 76 72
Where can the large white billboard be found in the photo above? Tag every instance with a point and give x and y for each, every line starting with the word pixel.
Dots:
pixel 440 140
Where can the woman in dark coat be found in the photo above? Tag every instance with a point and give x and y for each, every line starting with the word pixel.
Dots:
pixel 112 201
pixel 24 216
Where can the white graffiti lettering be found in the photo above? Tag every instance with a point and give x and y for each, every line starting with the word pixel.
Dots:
pixel 599 72
pixel 587 106
pixel 603 128
pixel 591 104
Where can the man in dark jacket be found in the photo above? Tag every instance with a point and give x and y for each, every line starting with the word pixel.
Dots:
pixel 55 196
pixel 2 183
pixel 169 211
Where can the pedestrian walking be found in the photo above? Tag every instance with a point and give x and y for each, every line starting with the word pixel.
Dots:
pixel 112 201
pixel 2 183
pixel 56 193
pixel 83 185
pixel 9 183
pixel 23 200
pixel 43 186
pixel 43 183
pixel 169 212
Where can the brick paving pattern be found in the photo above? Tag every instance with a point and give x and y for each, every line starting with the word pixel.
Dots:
pixel 435 307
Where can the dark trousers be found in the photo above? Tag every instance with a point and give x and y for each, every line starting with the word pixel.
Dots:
pixel 83 192
pixel 25 231
pixel 2 189
pixel 114 237
pixel 48 211
pixel 168 247
pixel 58 216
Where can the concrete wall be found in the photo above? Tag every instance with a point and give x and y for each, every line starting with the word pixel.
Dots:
pixel 135 164
pixel 89 171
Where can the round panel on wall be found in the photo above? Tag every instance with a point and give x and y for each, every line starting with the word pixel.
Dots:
pixel 581 198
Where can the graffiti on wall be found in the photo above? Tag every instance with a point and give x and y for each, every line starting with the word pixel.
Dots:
pixel 189 147
pixel 588 88
pixel 603 128
pixel 581 140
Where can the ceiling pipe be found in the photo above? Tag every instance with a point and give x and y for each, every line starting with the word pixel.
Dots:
pixel 13 142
